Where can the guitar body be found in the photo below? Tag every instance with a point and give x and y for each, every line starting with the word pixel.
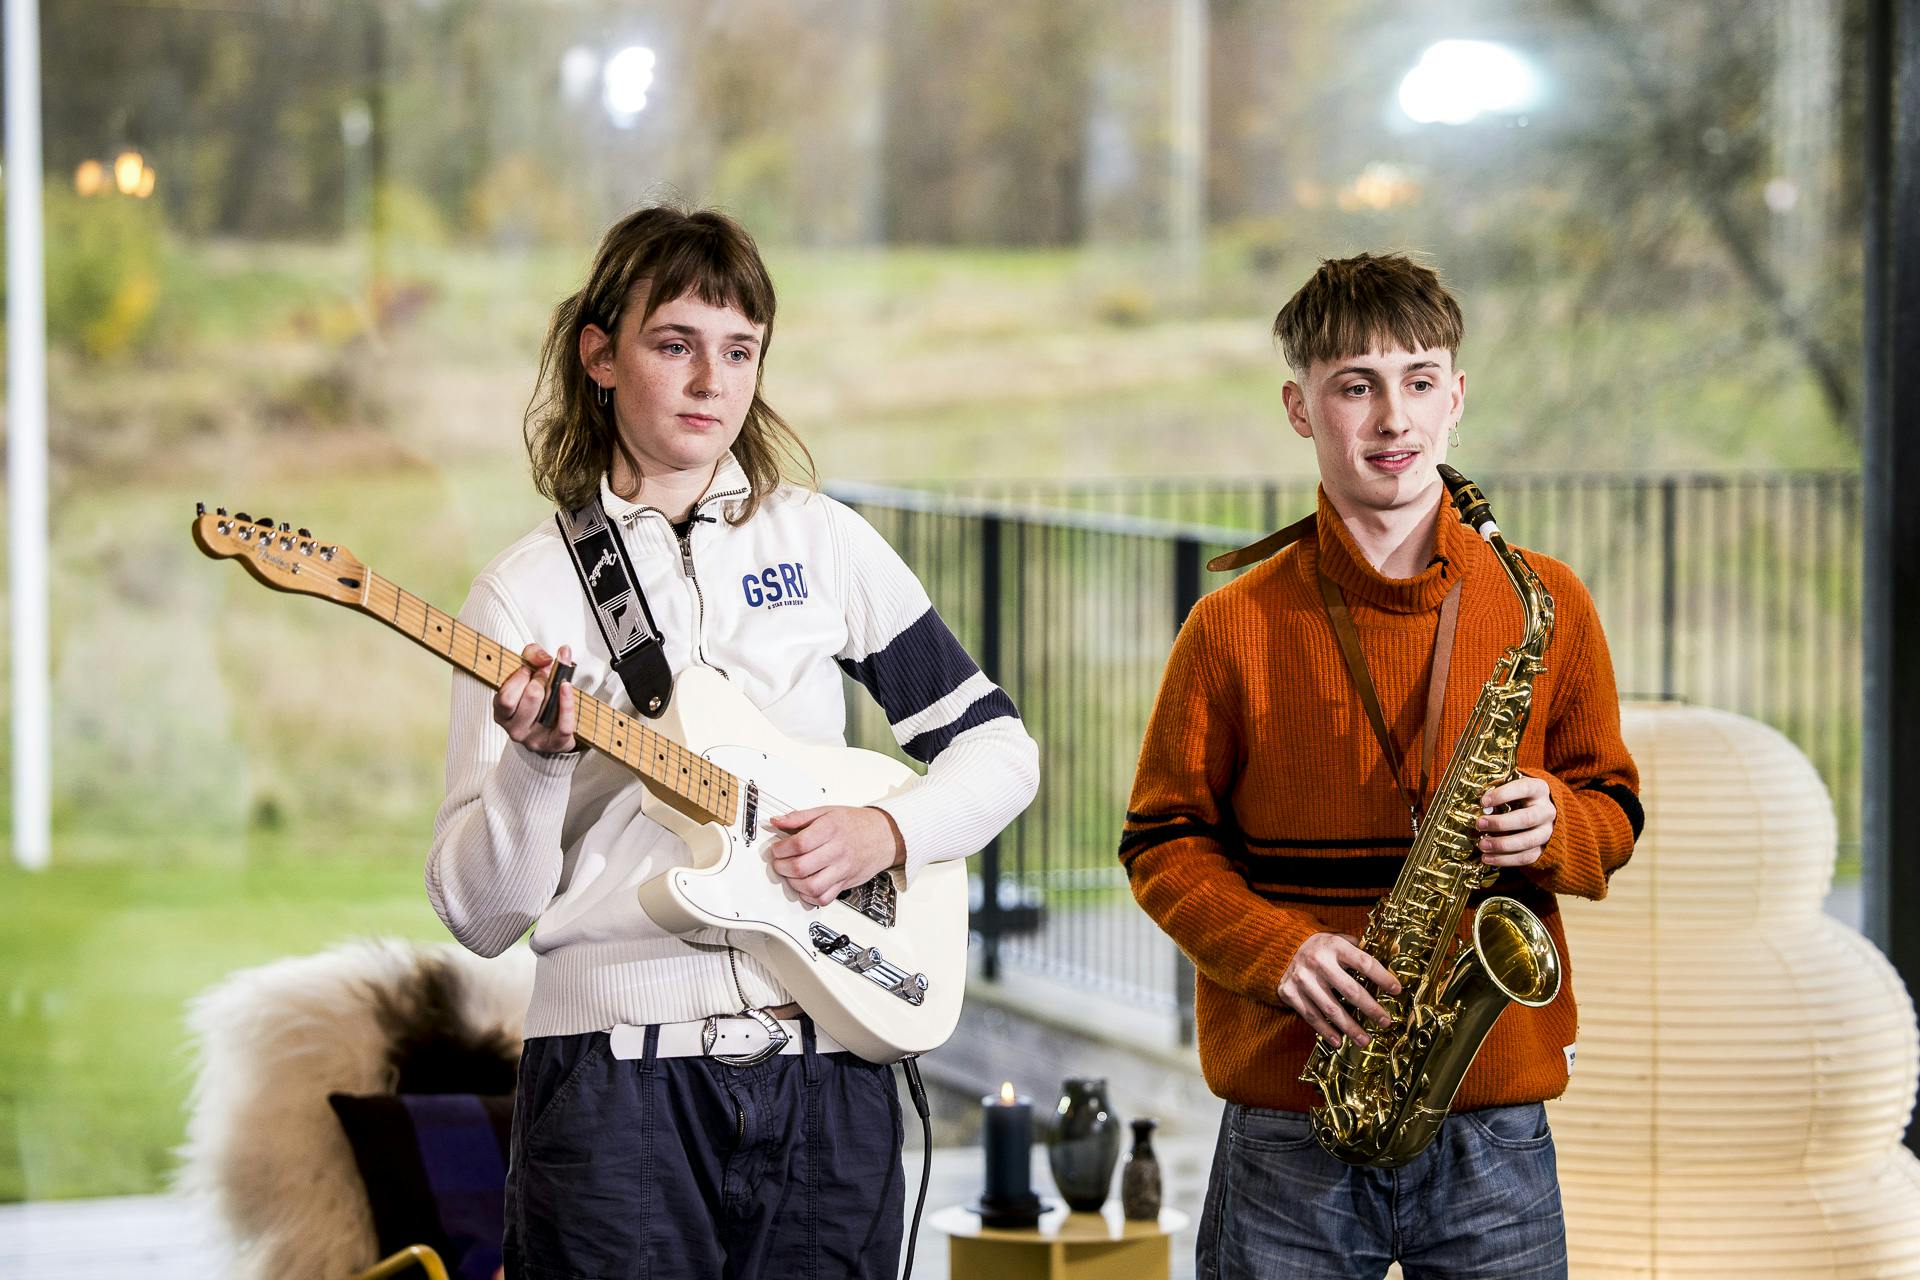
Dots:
pixel 863 1002
pixel 882 969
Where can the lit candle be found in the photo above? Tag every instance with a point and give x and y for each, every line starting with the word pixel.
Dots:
pixel 1007 1131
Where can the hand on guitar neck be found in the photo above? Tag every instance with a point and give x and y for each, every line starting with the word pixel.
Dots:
pixel 517 704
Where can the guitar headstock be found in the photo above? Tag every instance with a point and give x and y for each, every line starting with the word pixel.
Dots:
pixel 283 558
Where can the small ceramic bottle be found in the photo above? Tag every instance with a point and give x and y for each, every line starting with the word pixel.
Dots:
pixel 1140 1182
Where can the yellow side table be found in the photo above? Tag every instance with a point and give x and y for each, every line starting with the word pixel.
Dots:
pixel 1065 1246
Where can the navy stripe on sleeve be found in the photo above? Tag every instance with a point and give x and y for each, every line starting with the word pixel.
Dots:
pixel 989 706
pixel 915 669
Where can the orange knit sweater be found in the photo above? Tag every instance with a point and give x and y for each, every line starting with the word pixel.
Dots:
pixel 1264 812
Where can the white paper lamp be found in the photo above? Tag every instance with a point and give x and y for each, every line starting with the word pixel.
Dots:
pixel 1746 1064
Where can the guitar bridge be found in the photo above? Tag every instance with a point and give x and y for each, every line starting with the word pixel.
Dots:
pixel 877 899
pixel 841 949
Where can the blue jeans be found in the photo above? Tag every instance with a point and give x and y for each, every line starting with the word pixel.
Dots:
pixel 1481 1203
pixel 684 1168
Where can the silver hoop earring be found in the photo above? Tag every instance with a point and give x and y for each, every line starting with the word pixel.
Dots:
pixel 1453 436
pixel 602 391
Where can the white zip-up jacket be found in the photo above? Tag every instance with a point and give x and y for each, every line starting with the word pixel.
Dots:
pixel 782 605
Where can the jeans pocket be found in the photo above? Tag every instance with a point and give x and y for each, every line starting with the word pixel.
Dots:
pixel 1263 1130
pixel 541 1110
pixel 1522 1127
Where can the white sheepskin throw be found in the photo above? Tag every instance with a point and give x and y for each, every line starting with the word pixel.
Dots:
pixel 264 1146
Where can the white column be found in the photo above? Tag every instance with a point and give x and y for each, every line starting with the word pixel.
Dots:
pixel 1187 195
pixel 27 442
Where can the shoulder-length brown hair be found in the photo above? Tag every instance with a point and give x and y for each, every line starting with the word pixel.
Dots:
pixel 648 258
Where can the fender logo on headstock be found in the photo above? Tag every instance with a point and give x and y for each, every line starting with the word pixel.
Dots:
pixel 279 562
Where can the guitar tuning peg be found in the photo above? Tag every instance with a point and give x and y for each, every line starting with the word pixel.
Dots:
pixel 305 533
pixel 199 508
pixel 265 520
pixel 285 527
pixel 220 511
pixel 242 516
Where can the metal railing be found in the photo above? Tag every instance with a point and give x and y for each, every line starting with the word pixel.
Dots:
pixel 1739 592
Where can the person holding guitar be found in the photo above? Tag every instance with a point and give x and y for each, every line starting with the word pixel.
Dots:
pixel 678 1113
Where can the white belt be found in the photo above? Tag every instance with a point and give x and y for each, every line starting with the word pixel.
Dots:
pixel 738 1039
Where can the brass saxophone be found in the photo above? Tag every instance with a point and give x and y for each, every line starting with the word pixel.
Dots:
pixel 1384 1102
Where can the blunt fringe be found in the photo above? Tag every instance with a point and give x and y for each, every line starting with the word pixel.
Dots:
pixel 647 259
pixel 1351 306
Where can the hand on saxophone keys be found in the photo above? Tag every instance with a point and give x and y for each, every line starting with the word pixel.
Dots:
pixel 1516 822
pixel 1323 985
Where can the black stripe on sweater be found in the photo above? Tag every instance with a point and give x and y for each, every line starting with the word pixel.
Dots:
pixel 1169 829
pixel 1135 843
pixel 1342 842
pixel 1370 872
pixel 1322 900
pixel 994 705
pixel 915 669
pixel 1629 803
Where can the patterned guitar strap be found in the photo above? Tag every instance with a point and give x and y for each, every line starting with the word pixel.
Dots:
pixel 619 606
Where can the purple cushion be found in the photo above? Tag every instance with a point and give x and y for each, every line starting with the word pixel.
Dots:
pixel 435 1167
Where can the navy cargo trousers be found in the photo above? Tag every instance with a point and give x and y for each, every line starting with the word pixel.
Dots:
pixel 662 1168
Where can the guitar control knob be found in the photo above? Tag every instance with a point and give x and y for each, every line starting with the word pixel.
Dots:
pixel 865 960
pixel 914 984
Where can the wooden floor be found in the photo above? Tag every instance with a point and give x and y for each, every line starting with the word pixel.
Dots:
pixel 164 1238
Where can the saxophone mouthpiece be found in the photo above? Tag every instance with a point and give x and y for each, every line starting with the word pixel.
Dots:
pixel 1475 511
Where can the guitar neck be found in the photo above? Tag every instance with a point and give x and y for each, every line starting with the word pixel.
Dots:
pixel 712 793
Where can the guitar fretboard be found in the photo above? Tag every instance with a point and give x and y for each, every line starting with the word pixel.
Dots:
pixel 712 791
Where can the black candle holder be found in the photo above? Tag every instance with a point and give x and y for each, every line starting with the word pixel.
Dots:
pixel 1010 1214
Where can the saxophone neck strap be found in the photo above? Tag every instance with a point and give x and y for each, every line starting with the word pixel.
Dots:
pixel 619 605
pixel 1437 669
pixel 1254 552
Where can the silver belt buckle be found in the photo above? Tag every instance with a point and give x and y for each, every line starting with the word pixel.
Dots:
pixel 777 1038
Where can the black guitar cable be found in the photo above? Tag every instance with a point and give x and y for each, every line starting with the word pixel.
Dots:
pixel 919 1091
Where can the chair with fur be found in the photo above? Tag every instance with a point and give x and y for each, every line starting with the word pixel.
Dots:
pixel 263 1144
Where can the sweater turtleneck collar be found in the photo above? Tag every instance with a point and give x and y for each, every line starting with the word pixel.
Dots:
pixel 1340 557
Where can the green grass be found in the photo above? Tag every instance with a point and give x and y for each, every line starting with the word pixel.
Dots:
pixel 94 1069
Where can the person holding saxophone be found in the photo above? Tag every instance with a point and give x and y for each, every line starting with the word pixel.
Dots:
pixel 1300 736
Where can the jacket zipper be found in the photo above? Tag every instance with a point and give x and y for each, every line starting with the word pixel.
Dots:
pixel 699 597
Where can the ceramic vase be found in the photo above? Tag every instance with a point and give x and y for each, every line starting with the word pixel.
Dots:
pixel 1083 1144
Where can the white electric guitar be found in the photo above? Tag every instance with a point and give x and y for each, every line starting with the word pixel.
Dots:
pixel 881 969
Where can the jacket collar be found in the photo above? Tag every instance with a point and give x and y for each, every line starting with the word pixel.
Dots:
pixel 729 484
pixel 1341 559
